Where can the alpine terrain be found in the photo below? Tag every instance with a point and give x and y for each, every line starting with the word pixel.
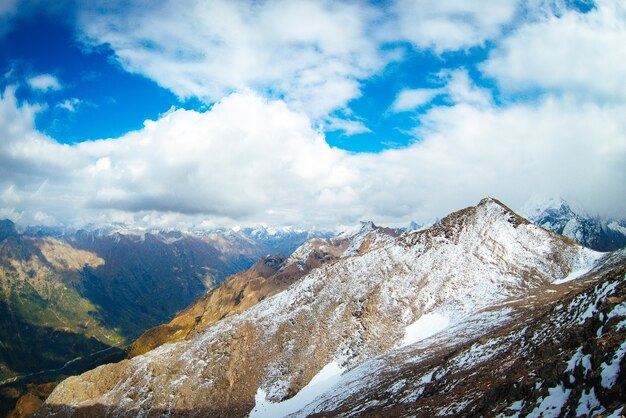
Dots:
pixel 71 300
pixel 591 231
pixel 484 313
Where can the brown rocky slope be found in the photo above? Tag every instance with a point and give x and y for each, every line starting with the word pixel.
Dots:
pixel 265 278
pixel 347 312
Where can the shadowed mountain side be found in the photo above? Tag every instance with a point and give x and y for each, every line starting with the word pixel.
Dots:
pixel 54 354
pixel 146 279
pixel 46 347
pixel 44 320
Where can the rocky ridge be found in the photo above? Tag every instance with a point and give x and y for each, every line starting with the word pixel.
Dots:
pixel 345 312
pixel 556 351
pixel 265 278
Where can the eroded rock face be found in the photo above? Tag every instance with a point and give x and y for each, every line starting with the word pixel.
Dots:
pixel 350 311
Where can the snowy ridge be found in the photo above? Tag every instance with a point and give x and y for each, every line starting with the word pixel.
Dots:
pixel 349 311
pixel 479 343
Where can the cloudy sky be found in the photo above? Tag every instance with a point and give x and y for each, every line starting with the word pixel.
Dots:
pixel 309 113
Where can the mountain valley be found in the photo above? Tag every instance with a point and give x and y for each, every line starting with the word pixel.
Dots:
pixel 73 300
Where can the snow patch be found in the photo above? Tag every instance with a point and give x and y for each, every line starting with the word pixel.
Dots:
pixel 617 227
pixel 610 371
pixel 589 404
pixel 618 310
pixel 617 413
pixel 426 326
pixel 321 382
pixel 552 404
pixel 587 260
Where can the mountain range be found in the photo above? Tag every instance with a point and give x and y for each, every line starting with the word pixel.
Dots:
pixel 484 313
pixel 595 232
pixel 67 295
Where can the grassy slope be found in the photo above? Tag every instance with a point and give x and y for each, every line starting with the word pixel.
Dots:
pixel 44 322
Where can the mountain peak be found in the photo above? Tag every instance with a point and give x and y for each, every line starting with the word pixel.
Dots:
pixel 7 229
pixel 490 201
pixel 488 210
pixel 567 219
pixel 367 226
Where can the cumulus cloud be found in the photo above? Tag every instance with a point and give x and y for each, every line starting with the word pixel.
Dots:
pixel 450 24
pixel 69 104
pixel 44 82
pixel 411 99
pixel 457 87
pixel 311 53
pixel 348 126
pixel 250 160
pixel 245 159
pixel 579 54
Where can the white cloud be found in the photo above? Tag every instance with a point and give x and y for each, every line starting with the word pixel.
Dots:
pixel 457 88
pixel 69 104
pixel 449 25
pixel 411 99
pixel 253 160
pixel 348 126
pixel 44 82
pixel 575 54
pixel 248 160
pixel 461 89
pixel 312 53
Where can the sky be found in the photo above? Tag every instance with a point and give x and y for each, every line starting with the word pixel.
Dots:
pixel 204 114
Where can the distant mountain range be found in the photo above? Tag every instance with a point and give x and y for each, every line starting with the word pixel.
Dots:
pixel 481 314
pixel 66 294
pixel 590 231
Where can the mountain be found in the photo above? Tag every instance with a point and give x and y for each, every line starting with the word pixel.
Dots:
pixel 593 232
pixel 383 298
pixel 281 240
pixel 557 351
pixel 69 294
pixel 265 278
pixel 45 322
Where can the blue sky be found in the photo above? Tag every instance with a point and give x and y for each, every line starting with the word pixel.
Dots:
pixel 107 101
pixel 111 101
pixel 313 113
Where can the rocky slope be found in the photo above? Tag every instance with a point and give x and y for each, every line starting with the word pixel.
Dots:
pixel 590 231
pixel 337 316
pixel 556 351
pixel 267 277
